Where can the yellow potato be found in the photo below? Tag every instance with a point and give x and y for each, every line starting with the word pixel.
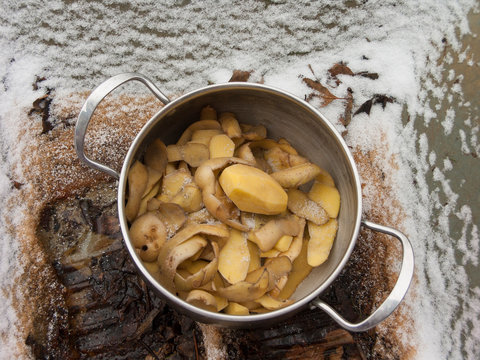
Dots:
pixel 208 113
pixel 244 152
pixel 270 253
pixel 202 272
pixel 245 291
pixel 284 243
pixel 281 282
pixel 286 146
pixel 221 146
pixel 194 154
pixel 257 132
pixel 193 266
pixel 172 215
pixel 321 241
pixel 180 280
pixel 234 308
pixel 173 183
pixel 301 205
pixel 272 304
pixel 204 136
pixel 137 183
pixel 277 267
pixel 204 124
pixel 152 267
pixel 300 270
pixel 202 299
pixel 190 198
pixel 250 305
pixel 255 261
pixel 327 197
pixel 269 234
pixel 276 158
pixel 280 160
pixel 200 217
pixel 238 141
pixel 297 175
pixel 297 243
pixel 230 125
pixel 171 167
pixel 156 156
pixel 222 302
pixel 325 178
pixel 218 282
pixel 234 258
pixel 147 229
pixel 253 190
pixel 150 195
pixel 185 244
pixel 154 177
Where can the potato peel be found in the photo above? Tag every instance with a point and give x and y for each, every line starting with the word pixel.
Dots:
pixel 301 205
pixel 137 182
pixel 214 236
pixel 202 299
pixel 245 291
pixel 297 175
pixel 268 235
pixel 234 258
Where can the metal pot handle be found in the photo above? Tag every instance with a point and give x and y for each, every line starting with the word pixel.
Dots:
pixel 395 297
pixel 97 95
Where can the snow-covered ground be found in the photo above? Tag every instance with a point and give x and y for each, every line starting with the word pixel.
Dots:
pixel 75 45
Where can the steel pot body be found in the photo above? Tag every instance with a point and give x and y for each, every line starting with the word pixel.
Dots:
pixel 284 115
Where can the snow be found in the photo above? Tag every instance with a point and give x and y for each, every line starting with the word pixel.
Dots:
pixel 183 46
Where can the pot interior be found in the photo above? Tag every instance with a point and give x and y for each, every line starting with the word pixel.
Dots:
pixel 284 116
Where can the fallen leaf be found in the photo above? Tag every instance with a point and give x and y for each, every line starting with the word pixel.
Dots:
pixel 373 76
pixel 325 94
pixel 17 185
pixel 365 107
pixel 347 115
pixel 239 75
pixel 376 99
pixel 342 69
pixel 383 99
pixel 339 69
pixel 41 106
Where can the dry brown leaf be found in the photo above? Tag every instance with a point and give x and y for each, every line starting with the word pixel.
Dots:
pixel 41 106
pixel 339 69
pixel 376 99
pixel 239 75
pixel 323 93
pixel 372 76
pixel 347 115
pixel 342 69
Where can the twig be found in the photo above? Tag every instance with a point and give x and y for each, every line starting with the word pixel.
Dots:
pixel 149 349
pixel 197 356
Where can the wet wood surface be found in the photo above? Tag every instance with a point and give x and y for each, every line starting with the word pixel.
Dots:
pixel 110 313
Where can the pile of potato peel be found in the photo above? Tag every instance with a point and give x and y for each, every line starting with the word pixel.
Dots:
pixel 219 218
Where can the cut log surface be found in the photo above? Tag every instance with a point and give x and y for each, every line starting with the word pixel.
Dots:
pixel 110 313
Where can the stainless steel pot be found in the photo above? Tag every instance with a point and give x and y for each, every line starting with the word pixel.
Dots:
pixel 284 115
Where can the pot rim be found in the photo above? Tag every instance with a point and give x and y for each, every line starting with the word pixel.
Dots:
pixel 221 318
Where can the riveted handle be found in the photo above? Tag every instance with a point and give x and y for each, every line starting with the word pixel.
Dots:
pixel 394 298
pixel 97 95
